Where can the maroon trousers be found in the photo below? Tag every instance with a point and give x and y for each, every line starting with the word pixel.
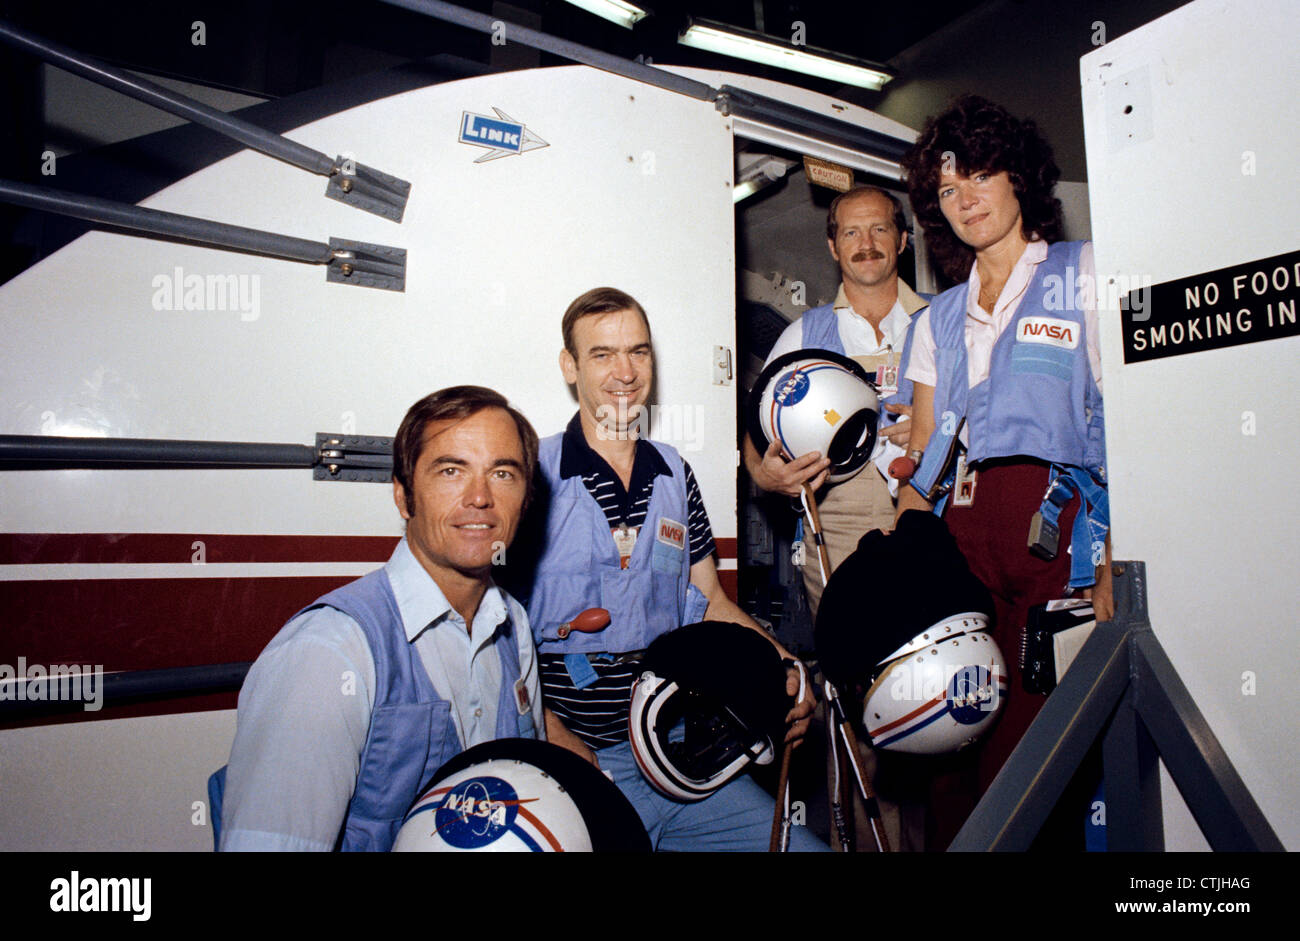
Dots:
pixel 993 535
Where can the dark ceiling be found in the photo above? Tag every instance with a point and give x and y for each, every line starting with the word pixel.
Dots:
pixel 277 48
pixel 280 47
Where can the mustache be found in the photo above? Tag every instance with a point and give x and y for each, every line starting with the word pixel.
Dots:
pixel 867 255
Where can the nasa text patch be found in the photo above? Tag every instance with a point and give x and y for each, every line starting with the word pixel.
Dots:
pixel 1049 330
pixel 672 533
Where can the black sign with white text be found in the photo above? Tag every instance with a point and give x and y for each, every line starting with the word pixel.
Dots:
pixel 1245 303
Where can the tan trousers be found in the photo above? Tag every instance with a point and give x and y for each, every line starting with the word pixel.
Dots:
pixel 847 511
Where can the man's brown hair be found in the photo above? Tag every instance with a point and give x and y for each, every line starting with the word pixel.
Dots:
pixel 833 224
pixel 598 301
pixel 454 403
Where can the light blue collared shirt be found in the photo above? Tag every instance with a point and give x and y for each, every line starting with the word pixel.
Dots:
pixel 304 710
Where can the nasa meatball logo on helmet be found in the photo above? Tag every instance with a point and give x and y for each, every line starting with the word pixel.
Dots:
pixel 972 694
pixel 474 813
pixel 479 809
pixel 939 692
pixel 817 400
pixel 520 796
pixel 935 678
pixel 792 387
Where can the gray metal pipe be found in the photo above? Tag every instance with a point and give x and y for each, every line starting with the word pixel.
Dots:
pixel 168 224
pixel 250 135
pixel 51 452
pixel 118 687
pixel 176 681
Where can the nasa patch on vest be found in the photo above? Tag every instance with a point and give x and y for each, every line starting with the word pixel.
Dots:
pixel 669 547
pixel 672 533
pixel 1050 330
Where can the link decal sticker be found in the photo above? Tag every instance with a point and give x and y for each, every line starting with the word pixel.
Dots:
pixel 503 136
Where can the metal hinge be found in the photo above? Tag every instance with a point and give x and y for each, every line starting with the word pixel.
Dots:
pixel 367 265
pixel 366 188
pixel 353 458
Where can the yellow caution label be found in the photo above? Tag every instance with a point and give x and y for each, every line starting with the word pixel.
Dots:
pixel 832 417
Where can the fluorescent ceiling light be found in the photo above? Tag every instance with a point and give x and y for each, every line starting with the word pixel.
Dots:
pixel 616 11
pixel 756 47
pixel 757 173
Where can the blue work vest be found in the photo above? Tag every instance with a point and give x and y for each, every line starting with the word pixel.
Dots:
pixel 411 730
pixel 821 330
pixel 1040 399
pixel 580 566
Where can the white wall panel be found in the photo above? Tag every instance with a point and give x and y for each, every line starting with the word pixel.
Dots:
pixel 1191 144
pixel 632 191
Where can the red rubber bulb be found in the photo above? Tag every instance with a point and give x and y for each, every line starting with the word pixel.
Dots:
pixel 590 621
pixel 902 468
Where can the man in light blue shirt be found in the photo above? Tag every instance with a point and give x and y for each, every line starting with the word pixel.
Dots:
pixel 364 694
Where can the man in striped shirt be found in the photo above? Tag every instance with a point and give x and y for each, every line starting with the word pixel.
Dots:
pixel 626 530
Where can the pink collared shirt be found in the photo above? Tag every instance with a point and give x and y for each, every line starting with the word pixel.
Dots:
pixel 983 328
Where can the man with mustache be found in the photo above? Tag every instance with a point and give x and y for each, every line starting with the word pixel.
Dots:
pixel 365 693
pixel 869 321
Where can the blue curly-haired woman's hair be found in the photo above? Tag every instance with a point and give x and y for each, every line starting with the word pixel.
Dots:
pixel 975 135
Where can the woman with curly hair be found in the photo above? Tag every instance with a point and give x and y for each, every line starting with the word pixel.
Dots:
pixel 1007 363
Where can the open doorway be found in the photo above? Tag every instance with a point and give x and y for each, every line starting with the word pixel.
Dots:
pixel 783 268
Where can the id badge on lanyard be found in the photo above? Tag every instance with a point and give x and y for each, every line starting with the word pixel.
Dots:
pixel 887 375
pixel 883 370
pixel 625 542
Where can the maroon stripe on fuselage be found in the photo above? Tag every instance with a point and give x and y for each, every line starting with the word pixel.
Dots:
pixel 109 548
pixel 148 624
pixel 64 548
pixel 156 623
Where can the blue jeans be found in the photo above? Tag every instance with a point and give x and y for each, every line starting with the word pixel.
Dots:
pixel 736 818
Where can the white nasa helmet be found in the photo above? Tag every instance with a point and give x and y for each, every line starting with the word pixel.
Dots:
pixel 816 400
pixel 934 676
pixel 520 796
pixel 940 691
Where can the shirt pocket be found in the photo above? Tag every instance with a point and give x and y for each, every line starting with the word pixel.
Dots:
pixel 403 737
pixel 666 559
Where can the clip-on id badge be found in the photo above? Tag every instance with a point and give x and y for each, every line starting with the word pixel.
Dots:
pixel 625 542
pixel 887 380
pixel 963 484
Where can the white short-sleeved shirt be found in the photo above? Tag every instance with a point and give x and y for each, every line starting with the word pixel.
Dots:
pixel 856 332
pixel 983 329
